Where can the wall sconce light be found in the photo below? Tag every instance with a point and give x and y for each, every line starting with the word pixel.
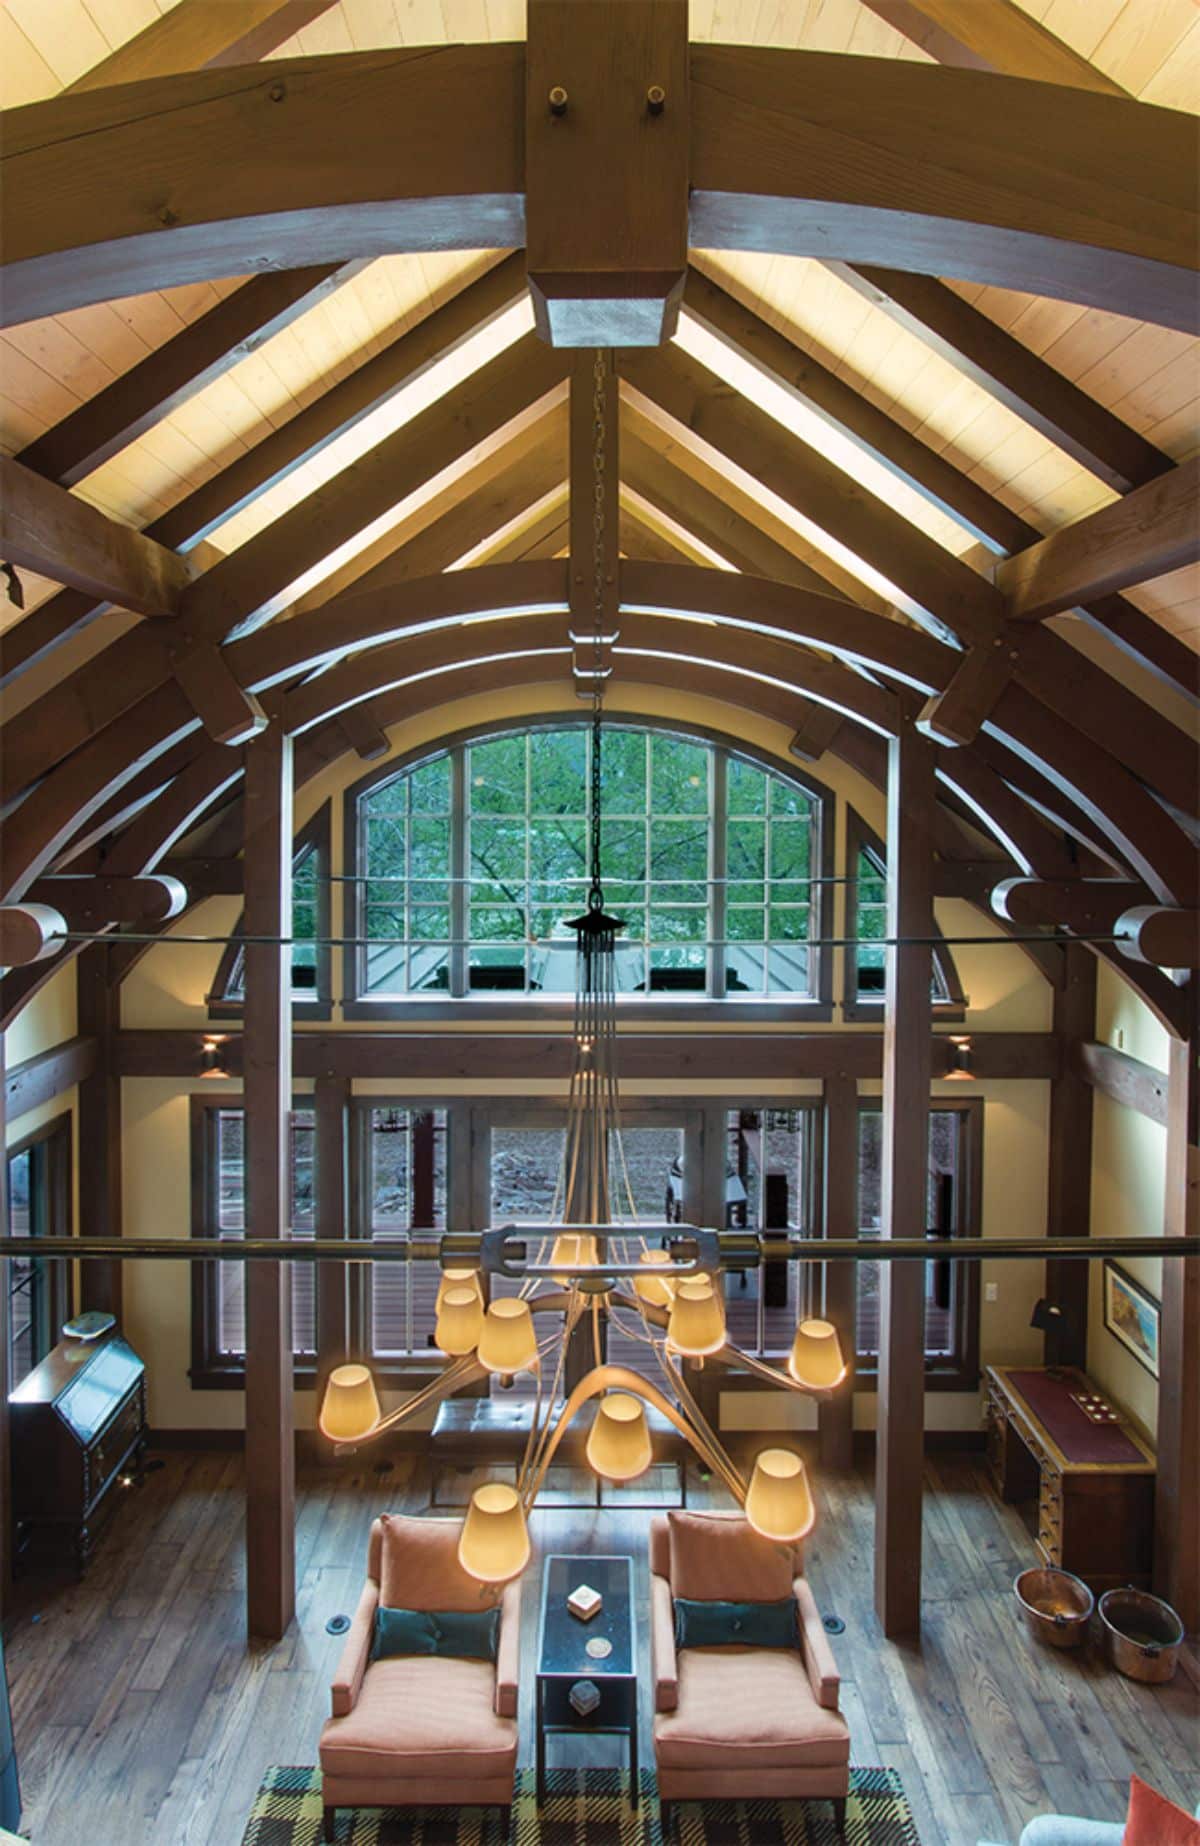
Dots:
pixel 960 1057
pixel 1047 1316
pixel 212 1058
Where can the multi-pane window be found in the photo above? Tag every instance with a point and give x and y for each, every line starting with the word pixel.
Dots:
pixel 403 1157
pixel 870 928
pixel 38 1179
pixel 309 955
pixel 223 1215
pixel 472 863
pixel 771 1185
pixel 951 1288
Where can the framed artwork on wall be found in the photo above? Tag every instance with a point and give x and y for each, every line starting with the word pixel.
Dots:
pixel 1131 1315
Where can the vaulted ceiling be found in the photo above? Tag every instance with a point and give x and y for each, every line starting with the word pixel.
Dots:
pixel 323 440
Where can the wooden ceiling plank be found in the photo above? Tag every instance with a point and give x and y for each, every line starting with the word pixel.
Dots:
pixel 283 450
pixel 198 353
pixel 639 539
pixel 1150 531
pixel 992 35
pixel 47 529
pixel 201 35
pixel 952 596
pixel 904 454
pixel 992 358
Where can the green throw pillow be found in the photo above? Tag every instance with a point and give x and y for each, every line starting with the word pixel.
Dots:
pixel 741 1624
pixel 469 1635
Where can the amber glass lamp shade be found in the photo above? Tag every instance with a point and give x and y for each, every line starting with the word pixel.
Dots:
pixel 507 1342
pixel 779 1504
pixel 350 1409
pixel 458 1278
pixel 618 1444
pixel 459 1322
pixel 816 1356
pixel 655 1291
pixel 697 1323
pixel 572 1249
pixel 494 1544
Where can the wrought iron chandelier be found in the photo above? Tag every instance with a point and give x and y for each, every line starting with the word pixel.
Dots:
pixel 673 1305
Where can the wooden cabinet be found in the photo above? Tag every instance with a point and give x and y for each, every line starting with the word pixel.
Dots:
pixel 78 1429
pixel 1092 1484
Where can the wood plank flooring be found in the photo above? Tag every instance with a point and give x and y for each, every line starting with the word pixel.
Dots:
pixel 143 1719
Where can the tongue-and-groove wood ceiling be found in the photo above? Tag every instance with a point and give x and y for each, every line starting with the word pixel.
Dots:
pixel 977 417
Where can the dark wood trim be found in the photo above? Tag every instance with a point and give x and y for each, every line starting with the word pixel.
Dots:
pixel 332 1219
pixel 45 528
pixel 200 37
pixel 39 1079
pixel 997 35
pixel 1069 1158
pixel 101 1202
pixel 1127 1080
pixel 5 1342
pixel 835 1416
pixel 1177 1495
pixel 900 1405
pixel 267 1101
pixel 861 838
pixel 316 836
pixel 55 1137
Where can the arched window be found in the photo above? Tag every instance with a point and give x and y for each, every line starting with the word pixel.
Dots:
pixel 471 862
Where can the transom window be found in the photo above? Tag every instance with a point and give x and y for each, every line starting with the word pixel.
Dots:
pixel 471 863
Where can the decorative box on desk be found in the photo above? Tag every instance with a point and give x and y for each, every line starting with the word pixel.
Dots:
pixel 78 1425
pixel 1093 1482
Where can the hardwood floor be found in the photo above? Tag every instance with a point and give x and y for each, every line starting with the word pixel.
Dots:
pixel 142 1719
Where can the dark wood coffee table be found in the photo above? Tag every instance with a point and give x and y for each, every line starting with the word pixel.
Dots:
pixel 563 1658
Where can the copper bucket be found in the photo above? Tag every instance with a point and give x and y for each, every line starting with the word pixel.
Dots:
pixel 1142 1635
pixel 1057 1606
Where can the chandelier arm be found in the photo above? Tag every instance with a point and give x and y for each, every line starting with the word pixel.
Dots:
pixel 464 1371
pixel 609 1377
pixel 540 1428
pixel 733 1355
pixel 718 1455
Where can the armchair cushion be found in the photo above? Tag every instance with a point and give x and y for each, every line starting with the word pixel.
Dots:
pixel 746 1709
pixel 419 1567
pixel 420 1715
pixel 1152 1820
pixel 662 1645
pixel 356 1651
pixel 457 1634
pixel 742 1624
pixel 718 1559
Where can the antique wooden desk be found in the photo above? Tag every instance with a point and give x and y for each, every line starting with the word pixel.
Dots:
pixel 1093 1482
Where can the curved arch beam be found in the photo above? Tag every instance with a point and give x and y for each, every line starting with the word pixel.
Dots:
pixel 1067 193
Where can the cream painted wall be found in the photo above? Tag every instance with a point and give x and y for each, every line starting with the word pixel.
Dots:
pixel 49 1018
pixel 169 985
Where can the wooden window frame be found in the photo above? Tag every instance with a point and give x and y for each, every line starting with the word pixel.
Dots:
pixel 315 836
pixel 855 1009
pixel 55 1136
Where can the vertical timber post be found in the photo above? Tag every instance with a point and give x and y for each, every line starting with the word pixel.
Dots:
pixel 836 1415
pixel 5 1333
pixel 1177 1492
pixel 267 1090
pixel 331 1105
pixel 100 1196
pixel 900 1411
pixel 1070 1157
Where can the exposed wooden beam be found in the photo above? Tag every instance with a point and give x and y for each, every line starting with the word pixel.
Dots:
pixel 900 1405
pixel 1153 530
pixel 606 168
pixel 331 1213
pixel 367 738
pixel 1093 195
pixel 816 731
pixel 1163 938
pixel 101 1207
pixel 1069 1159
pixel 594 536
pixel 1088 906
pixel 179 368
pixel 205 877
pixel 49 530
pixel 984 352
pixel 93 902
pixel 282 451
pixel 267 1101
pixel 641 538
pixel 229 715
pixel 956 715
pixel 1177 1489
pixel 850 412
pixel 992 35
pixel 200 35
pixel 1125 1079
pixel 38 1080
pixel 30 932
pixel 543 535
pixel 840 1219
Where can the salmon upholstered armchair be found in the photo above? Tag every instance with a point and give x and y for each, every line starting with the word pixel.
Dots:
pixel 421 1730
pixel 733 1723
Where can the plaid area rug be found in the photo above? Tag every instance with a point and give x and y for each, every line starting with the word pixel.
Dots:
pixel 584 1807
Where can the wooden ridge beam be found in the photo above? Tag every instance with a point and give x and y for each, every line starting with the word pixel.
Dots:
pixel 1016 377
pixel 1092 194
pixel 47 529
pixel 283 450
pixel 1152 530
pixel 201 35
pixel 992 35
pixel 175 371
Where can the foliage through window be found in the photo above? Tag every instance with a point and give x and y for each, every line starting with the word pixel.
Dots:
pixel 310 928
pixel 472 863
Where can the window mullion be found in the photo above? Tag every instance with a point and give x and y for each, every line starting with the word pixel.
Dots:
pixel 718 863
pixel 459 895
